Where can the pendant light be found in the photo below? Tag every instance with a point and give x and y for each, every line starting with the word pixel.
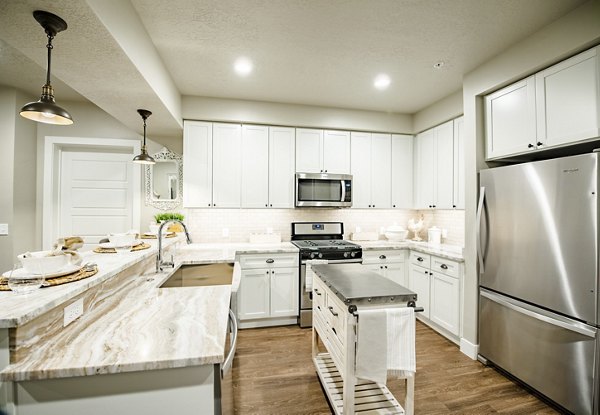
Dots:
pixel 45 110
pixel 144 157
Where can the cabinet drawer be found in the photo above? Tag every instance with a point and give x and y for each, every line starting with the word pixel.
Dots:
pixel 336 316
pixel 384 256
pixel 319 294
pixel 420 259
pixel 269 260
pixel 445 266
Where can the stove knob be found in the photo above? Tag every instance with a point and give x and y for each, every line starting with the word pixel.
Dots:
pixel 353 254
pixel 346 254
pixel 320 255
pixel 312 255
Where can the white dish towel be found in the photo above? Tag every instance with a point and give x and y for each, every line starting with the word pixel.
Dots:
pixel 386 344
pixel 310 273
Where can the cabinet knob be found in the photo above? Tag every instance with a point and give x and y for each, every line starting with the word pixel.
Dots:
pixel 271 205
pixel 539 144
pixel 393 205
pixel 420 259
pixel 266 205
pixel 454 206
pixel 382 257
pixel 325 171
pixel 373 205
pixel 444 266
pixel 386 267
pixel 321 171
pixel 530 145
pixel 433 205
pixel 317 292
pixel 270 261
pixel 209 204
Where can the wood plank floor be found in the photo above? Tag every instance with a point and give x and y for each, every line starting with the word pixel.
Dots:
pixel 273 374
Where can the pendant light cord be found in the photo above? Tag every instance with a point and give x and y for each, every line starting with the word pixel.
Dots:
pixel 50 47
pixel 144 132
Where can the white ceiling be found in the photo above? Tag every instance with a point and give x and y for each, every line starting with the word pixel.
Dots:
pixel 314 52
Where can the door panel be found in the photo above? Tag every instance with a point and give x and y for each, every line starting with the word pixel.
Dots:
pixel 197 169
pixel 336 152
pixel 284 292
pixel 309 150
pixel 255 166
pixel 540 229
pixel 444 166
pixel 361 169
pixel 402 171
pixel 282 162
pixel 253 295
pixel 381 170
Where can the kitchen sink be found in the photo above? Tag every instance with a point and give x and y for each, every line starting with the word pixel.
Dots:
pixel 199 275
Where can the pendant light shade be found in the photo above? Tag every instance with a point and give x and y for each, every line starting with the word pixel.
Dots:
pixel 144 157
pixel 45 110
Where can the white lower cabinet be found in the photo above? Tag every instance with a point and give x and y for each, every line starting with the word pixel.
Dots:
pixel 268 293
pixel 389 263
pixel 437 282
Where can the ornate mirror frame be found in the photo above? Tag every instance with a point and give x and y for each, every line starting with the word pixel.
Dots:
pixel 164 204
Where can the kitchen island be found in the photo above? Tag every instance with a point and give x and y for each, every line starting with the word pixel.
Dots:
pixel 138 348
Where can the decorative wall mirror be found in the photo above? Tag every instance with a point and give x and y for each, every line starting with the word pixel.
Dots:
pixel 164 180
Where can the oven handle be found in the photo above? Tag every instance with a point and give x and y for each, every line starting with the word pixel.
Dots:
pixel 338 261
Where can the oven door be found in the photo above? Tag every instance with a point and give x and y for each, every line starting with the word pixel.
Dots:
pixel 323 190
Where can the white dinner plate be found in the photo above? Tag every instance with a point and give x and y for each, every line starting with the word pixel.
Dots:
pixel 111 245
pixel 69 269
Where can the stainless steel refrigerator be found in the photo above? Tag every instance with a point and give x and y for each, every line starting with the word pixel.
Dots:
pixel 538 263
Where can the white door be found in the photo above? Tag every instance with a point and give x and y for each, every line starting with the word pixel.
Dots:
pixel 424 170
pixel 197 164
pixel 255 166
pixel 309 150
pixel 510 119
pixel 282 160
pixel 95 194
pixel 567 97
pixel 444 308
pixel 253 295
pixel 444 166
pixel 381 171
pixel 284 292
pixel 336 152
pixel 459 164
pixel 361 169
pixel 419 283
pixel 402 171
pixel 227 165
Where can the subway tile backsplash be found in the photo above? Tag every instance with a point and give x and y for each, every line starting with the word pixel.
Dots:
pixel 236 225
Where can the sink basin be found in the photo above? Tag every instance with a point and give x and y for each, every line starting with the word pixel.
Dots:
pixel 200 275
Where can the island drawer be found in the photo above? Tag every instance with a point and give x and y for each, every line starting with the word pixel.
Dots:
pixel 269 260
pixel 318 294
pixel 420 259
pixel 445 266
pixel 384 256
pixel 336 316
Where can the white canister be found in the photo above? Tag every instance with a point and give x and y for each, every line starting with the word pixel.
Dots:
pixel 434 235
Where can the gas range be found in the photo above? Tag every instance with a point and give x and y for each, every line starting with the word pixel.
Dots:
pixel 333 249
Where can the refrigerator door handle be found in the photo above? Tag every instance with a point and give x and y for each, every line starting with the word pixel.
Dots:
pixel 478 234
pixel 568 325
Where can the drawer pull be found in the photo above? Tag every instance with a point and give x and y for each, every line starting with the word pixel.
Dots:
pixel 317 292
pixel 319 307
pixel 444 266
pixel 270 261
pixel 333 330
pixel 420 259
pixel 333 312
pixel 382 257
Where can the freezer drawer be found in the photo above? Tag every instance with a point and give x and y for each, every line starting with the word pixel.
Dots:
pixel 550 353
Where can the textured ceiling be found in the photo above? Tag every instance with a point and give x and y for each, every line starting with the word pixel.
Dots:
pixel 316 52
pixel 328 52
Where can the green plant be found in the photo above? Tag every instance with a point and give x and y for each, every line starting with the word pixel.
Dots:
pixel 159 217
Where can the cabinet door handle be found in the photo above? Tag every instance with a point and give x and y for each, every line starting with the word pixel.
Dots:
pixel 393 205
pixel 317 292
pixel 270 261
pixel 444 266
pixel 333 330
pixel 266 205
pixel 382 257
pixel 386 267
pixel 530 145
pixel 209 204
pixel 271 205
pixel 325 171
pixel 332 312
pixel 433 205
pixel 419 259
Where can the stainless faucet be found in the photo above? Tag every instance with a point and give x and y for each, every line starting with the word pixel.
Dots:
pixel 160 264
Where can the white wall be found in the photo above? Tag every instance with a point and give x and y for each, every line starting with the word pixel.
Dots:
pixel 566 36
pixel 439 112
pixel 270 113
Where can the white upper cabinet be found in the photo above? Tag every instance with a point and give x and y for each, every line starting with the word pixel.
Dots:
pixel 197 166
pixel 281 167
pixel 309 150
pixel 402 171
pixel 424 160
pixel 459 164
pixel 510 119
pixel 255 166
pixel 227 165
pixel 557 106
pixel 371 170
pixel 319 151
pixel 444 166
pixel 567 95
pixel 336 152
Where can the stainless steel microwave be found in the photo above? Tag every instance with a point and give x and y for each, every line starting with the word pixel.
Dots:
pixel 323 190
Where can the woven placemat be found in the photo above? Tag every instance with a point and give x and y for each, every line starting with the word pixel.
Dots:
pixel 150 236
pixel 83 273
pixel 139 247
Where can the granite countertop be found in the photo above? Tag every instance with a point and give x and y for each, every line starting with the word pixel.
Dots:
pixel 452 252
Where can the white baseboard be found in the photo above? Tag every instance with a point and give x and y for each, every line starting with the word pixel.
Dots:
pixel 268 322
pixel 469 349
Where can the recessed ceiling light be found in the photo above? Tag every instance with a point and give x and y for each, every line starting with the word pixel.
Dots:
pixel 243 66
pixel 382 81
pixel 438 64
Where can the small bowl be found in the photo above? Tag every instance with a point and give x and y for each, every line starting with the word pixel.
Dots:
pixel 121 239
pixel 396 235
pixel 41 263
